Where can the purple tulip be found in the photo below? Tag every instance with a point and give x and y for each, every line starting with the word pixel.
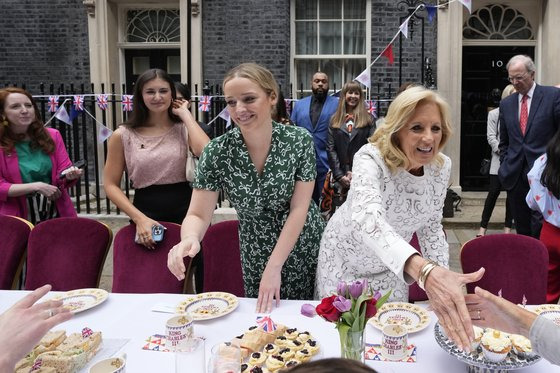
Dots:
pixel 366 286
pixel 342 304
pixel 377 295
pixel 342 288
pixel 308 310
pixel 356 289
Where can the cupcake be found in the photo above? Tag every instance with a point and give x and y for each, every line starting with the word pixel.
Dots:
pixel 521 346
pixel 312 346
pixel 495 345
pixel 257 358
pixel 274 362
pixel 303 337
pixel 270 349
pixel 294 345
pixel 477 336
pixel 286 353
pixel 291 334
pixel 281 341
pixel 303 355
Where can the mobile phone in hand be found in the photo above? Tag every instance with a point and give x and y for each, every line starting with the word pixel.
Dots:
pixel 79 164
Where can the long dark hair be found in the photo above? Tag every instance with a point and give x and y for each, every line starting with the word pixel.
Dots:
pixel 40 138
pixel 139 108
pixel 550 177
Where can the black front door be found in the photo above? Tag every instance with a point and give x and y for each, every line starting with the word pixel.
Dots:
pixel 139 60
pixel 484 70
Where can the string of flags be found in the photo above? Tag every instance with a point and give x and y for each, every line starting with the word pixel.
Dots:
pixel 365 76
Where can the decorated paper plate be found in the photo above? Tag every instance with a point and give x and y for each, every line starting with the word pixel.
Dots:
pixel 82 299
pixel 550 311
pixel 415 318
pixel 476 358
pixel 206 306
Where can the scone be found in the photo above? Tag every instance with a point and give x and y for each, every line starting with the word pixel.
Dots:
pixel 270 349
pixel 245 368
pixel 291 334
pixel 303 355
pixel 495 345
pixel 521 346
pixel 294 345
pixel 258 369
pixel 292 363
pixel 257 358
pixel 312 346
pixel 281 341
pixel 274 362
pixel 286 353
pixel 303 337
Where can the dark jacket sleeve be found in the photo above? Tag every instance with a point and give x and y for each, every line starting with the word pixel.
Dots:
pixel 334 162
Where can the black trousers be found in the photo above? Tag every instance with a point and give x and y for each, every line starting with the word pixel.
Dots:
pixel 527 222
pixel 494 190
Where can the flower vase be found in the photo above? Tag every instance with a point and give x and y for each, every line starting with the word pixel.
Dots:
pixel 352 347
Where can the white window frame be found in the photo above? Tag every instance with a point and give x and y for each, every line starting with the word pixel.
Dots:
pixel 294 57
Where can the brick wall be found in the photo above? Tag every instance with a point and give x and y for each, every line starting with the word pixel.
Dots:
pixel 43 41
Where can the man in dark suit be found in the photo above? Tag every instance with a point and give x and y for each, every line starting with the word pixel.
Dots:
pixel 528 120
pixel 314 114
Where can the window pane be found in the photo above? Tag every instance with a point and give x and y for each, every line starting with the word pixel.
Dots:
pixel 330 9
pixel 305 70
pixel 333 68
pixel 306 9
pixel 173 65
pixel 354 37
pixel 353 69
pixel 330 37
pixel 140 64
pixel 306 37
pixel 355 9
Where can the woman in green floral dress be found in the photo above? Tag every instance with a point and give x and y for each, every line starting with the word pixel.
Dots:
pixel 268 172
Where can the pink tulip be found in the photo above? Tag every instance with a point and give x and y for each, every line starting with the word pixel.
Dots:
pixel 342 304
pixel 308 310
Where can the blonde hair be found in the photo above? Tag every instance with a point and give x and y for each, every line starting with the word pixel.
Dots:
pixel 508 90
pixel 257 74
pixel 360 114
pixel 399 114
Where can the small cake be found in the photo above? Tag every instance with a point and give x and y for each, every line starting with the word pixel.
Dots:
pixel 294 345
pixel 303 355
pixel 291 334
pixel 257 358
pixel 286 353
pixel 281 341
pixel 274 362
pixel 477 337
pixel 258 369
pixel 312 346
pixel 270 349
pixel 495 345
pixel 521 346
pixel 246 368
pixel 292 363
pixel 303 337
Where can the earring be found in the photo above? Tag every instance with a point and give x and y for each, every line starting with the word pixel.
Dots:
pixel 4 122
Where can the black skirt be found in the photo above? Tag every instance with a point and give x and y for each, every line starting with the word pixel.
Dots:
pixel 167 202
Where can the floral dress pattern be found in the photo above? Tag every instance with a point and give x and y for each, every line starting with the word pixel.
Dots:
pixel 369 235
pixel 262 203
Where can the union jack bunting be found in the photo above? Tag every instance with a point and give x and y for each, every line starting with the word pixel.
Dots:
pixel 53 103
pixel 102 100
pixel 204 104
pixel 79 103
pixel 372 108
pixel 127 102
pixel 266 323
pixel 288 107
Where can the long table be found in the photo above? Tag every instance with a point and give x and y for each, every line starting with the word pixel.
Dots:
pixel 129 316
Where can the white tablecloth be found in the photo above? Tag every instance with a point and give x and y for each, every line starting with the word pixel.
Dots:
pixel 130 316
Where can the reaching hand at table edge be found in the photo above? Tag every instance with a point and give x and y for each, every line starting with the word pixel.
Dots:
pixel 189 246
pixel 25 323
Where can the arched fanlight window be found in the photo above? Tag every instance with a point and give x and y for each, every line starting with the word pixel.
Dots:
pixel 153 26
pixel 497 22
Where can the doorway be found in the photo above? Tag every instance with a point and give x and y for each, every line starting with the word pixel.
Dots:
pixel 484 69
pixel 139 60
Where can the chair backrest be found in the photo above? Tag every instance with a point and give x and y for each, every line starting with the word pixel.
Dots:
pixel 516 264
pixel 222 259
pixel 67 253
pixel 15 233
pixel 137 269
pixel 415 294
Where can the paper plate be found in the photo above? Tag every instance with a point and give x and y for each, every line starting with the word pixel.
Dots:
pixel 206 306
pixel 415 318
pixel 550 311
pixel 82 299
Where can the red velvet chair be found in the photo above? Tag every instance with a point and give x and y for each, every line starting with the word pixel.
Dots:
pixel 516 264
pixel 15 234
pixel 67 253
pixel 222 260
pixel 415 294
pixel 137 269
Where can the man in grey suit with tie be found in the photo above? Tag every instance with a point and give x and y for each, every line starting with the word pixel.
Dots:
pixel 528 120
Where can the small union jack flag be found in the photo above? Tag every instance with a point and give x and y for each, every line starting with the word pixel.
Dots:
pixel 204 104
pixel 266 323
pixel 372 108
pixel 79 103
pixel 86 332
pixel 102 100
pixel 37 365
pixel 127 102
pixel 53 103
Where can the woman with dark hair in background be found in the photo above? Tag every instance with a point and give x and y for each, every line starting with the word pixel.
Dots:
pixel 279 112
pixel 184 95
pixel 32 159
pixel 544 196
pixel 152 146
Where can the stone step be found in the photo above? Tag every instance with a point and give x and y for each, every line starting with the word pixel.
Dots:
pixel 478 198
